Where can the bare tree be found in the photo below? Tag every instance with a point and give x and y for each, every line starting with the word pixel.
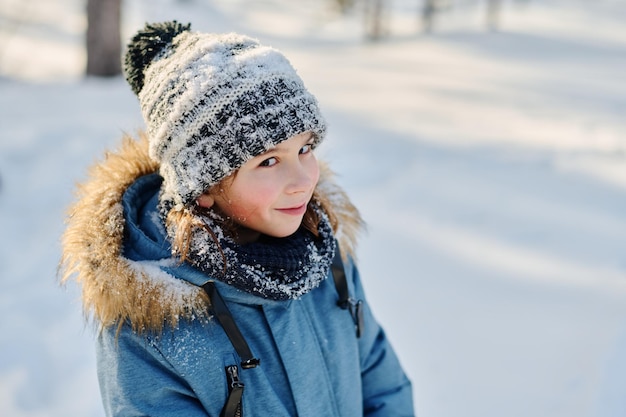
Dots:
pixel 493 12
pixel 344 5
pixel 104 45
pixel 429 8
pixel 375 13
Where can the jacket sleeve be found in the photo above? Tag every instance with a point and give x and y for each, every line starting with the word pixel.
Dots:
pixel 386 389
pixel 136 380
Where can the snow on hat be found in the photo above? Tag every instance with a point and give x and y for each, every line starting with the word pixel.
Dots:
pixel 211 102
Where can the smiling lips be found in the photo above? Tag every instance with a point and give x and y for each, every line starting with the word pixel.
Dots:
pixel 294 211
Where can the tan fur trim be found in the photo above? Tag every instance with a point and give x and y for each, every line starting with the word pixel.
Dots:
pixel 116 289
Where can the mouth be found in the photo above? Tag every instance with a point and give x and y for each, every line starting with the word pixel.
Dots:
pixel 294 211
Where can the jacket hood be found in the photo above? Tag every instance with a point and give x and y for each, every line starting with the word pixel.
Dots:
pixel 117 289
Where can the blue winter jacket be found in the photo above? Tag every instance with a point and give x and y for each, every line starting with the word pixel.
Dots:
pixel 312 363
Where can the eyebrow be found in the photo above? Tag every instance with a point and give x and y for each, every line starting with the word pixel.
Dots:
pixel 305 140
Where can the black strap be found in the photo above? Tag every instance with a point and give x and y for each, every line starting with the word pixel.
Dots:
pixel 339 275
pixel 345 301
pixel 230 327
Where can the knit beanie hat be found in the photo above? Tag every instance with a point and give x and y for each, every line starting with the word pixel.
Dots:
pixel 211 102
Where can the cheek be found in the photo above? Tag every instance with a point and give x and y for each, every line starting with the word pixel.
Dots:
pixel 316 174
pixel 246 202
pixel 313 169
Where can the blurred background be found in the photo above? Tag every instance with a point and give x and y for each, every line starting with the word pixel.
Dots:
pixel 483 140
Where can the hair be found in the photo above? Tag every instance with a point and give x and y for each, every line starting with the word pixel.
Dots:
pixel 190 219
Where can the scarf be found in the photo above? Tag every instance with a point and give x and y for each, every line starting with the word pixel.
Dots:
pixel 274 268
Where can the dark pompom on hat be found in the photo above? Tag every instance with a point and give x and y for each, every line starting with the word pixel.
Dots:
pixel 145 46
pixel 211 102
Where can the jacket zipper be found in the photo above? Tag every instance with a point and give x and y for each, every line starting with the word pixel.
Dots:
pixel 235 392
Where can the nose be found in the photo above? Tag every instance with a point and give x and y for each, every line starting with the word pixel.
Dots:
pixel 303 177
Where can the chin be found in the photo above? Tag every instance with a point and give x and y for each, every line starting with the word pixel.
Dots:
pixel 286 233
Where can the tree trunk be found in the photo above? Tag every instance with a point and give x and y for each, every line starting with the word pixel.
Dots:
pixel 493 10
pixel 345 5
pixel 104 44
pixel 428 14
pixel 374 18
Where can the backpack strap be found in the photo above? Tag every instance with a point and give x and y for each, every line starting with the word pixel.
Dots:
pixel 225 318
pixel 345 301
pixel 339 276
pixel 233 405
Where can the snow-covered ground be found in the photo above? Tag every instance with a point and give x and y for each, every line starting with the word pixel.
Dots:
pixel 490 167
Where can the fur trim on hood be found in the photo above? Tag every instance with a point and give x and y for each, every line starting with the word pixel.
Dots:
pixel 115 288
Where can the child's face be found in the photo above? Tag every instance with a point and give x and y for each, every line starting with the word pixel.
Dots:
pixel 269 194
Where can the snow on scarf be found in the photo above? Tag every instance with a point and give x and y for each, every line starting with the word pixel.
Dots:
pixel 273 268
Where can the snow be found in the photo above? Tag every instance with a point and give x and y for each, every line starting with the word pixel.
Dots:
pixel 490 167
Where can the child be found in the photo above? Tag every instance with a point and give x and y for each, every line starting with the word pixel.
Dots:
pixel 204 248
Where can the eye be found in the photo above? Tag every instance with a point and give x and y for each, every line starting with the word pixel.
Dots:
pixel 269 162
pixel 306 148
